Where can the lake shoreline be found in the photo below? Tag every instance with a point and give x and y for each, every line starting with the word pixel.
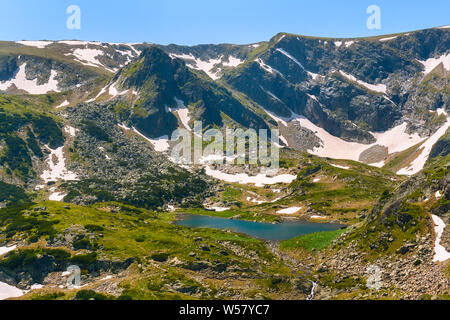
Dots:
pixel 255 229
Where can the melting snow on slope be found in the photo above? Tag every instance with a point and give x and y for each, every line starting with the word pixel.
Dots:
pixel 22 83
pixel 183 113
pixel 268 68
pixel 57 167
pixel 64 104
pixel 7 291
pixel 417 164
pixel 79 42
pixel 291 210
pixel 232 62
pixel 57 196
pixel 291 57
pixel 89 56
pixel 71 131
pixel 432 63
pixel 37 44
pixel 160 144
pixel 395 139
pixel 348 43
pixel 388 38
pixel 332 146
pixel 374 87
pixel 5 250
pixel 218 209
pixel 259 180
pixel 209 65
pixel 340 167
pixel 440 253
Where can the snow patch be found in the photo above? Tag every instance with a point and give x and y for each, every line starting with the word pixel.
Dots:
pixel 88 56
pixel 440 253
pixel 218 209
pixel 36 286
pixel 395 139
pixel 5 250
pixel 65 103
pixel 199 64
pixel 57 167
pixel 7 291
pixel 37 44
pixel 57 196
pixel 340 167
pixel 22 83
pixel 71 131
pixel 259 180
pixel 291 57
pixel 432 63
pixel 79 43
pixel 233 62
pixel 160 144
pixel 348 43
pixel 388 38
pixel 291 210
pixel 268 68
pixel 183 113
pixel 418 163
pixel 374 87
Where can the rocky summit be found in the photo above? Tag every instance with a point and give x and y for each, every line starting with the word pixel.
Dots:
pixel 89 175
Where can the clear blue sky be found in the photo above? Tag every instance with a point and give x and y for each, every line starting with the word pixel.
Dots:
pixel 212 21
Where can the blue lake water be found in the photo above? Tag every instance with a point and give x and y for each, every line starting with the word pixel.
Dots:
pixel 267 231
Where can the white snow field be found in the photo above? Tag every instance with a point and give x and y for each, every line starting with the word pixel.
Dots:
pixel 395 139
pixel 71 131
pixel 64 104
pixel 218 209
pixel 418 163
pixel 432 63
pixel 340 167
pixel 30 86
pixel 374 87
pixel 5 250
pixel 388 38
pixel 259 180
pixel 290 210
pixel 37 44
pixel 57 167
pixel 160 144
pixel 208 65
pixel 268 68
pixel 440 253
pixel 7 291
pixel 183 113
pixel 291 57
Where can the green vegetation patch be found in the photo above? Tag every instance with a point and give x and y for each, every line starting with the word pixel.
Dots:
pixel 317 241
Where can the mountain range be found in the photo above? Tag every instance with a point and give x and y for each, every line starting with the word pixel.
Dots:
pixel 85 127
